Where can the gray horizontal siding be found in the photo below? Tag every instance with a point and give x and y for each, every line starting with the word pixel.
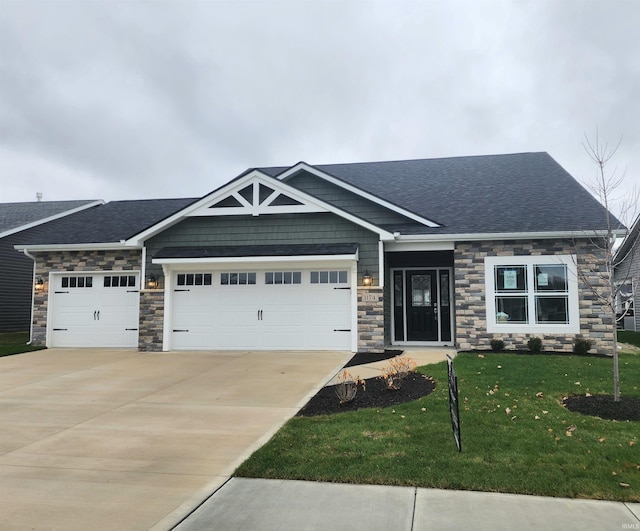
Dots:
pixel 16 275
pixel 265 230
pixel 629 268
pixel 345 200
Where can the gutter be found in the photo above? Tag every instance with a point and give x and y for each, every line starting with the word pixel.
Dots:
pixel 33 279
pixel 77 247
pixel 503 236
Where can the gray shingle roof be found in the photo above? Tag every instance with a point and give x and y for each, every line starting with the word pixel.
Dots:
pixel 13 216
pixel 108 223
pixel 524 192
pixel 517 193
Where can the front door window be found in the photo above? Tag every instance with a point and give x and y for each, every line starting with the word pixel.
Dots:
pixel 421 290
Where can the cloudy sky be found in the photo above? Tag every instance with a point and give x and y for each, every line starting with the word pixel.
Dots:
pixel 117 99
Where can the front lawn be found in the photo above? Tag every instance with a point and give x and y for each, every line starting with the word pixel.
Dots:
pixel 15 343
pixel 516 435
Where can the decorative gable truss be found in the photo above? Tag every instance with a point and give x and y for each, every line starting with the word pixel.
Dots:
pixel 254 195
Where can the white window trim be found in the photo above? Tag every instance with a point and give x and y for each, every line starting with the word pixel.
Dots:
pixel 573 327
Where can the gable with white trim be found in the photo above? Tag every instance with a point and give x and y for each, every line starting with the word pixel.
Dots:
pixel 255 197
pixel 255 194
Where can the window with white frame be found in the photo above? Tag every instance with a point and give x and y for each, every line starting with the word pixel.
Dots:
pixel 528 294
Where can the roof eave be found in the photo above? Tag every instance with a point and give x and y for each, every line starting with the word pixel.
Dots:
pixel 504 236
pixel 107 246
pixel 261 259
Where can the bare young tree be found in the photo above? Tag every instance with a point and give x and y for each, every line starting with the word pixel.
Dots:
pixel 601 280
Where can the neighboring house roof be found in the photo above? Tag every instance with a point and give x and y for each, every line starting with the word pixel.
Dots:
pixel 514 193
pixel 16 217
pixel 630 242
pixel 105 224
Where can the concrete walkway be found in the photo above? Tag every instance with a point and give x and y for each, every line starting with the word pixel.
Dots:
pixel 124 440
pixel 276 505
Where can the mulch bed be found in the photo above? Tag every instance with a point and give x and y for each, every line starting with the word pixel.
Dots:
pixel 603 406
pixel 414 386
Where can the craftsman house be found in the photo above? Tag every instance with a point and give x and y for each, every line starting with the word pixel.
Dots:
pixel 354 257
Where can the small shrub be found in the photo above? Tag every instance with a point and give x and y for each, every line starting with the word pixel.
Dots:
pixel 581 346
pixel 497 345
pixel 347 386
pixel 399 368
pixel 535 345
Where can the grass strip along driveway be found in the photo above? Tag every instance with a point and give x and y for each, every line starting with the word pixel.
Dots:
pixel 516 435
pixel 15 343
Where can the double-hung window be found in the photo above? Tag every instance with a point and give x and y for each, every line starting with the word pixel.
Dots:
pixel 529 294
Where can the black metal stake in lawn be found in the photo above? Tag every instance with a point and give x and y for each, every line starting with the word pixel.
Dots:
pixel 453 403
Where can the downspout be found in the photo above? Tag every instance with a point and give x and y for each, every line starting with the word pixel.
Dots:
pixel 33 280
pixel 381 263
pixel 143 269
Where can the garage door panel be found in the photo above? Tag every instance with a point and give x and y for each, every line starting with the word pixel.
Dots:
pixel 236 315
pixel 283 317
pixel 284 339
pixel 236 340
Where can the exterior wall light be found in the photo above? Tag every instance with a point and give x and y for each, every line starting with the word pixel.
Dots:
pixel 39 283
pixel 152 282
pixel 366 279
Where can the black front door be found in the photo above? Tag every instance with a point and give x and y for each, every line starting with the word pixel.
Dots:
pixel 422 305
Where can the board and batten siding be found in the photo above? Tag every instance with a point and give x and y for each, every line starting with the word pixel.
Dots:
pixel 345 200
pixel 286 229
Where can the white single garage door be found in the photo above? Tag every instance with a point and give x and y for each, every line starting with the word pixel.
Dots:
pixel 283 309
pixel 95 309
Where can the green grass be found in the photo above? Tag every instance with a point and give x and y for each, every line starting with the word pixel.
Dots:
pixel 525 451
pixel 15 343
pixel 627 336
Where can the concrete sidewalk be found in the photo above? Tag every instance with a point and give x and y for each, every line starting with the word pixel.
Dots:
pixel 421 355
pixel 275 505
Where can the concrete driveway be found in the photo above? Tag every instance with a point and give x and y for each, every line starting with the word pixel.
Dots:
pixel 112 439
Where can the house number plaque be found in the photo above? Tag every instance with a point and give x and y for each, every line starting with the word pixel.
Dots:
pixel 370 297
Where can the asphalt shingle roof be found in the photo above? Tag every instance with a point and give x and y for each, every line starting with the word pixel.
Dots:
pixel 517 193
pixel 524 192
pixel 108 223
pixel 16 215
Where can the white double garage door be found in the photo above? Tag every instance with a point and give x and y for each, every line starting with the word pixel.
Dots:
pixel 283 308
pixel 280 308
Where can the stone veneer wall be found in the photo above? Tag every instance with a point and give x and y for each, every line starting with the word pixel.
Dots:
pixel 370 319
pixel 151 320
pixel 471 323
pixel 67 261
